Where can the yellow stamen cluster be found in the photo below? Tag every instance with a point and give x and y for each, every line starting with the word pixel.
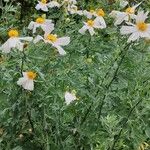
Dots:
pixel 40 20
pixel 142 26
pixel 13 33
pixel 51 37
pixel 90 23
pixel 130 10
pixel 100 12
pixel 31 75
pixel 44 1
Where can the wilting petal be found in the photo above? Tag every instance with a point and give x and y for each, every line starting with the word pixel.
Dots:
pixel 69 98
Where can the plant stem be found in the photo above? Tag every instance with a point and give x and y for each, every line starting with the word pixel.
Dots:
pixel 116 137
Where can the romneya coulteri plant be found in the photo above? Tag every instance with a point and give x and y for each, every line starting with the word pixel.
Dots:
pixel 75 75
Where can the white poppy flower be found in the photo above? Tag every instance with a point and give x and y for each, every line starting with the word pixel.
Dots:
pixel 138 30
pixel 53 4
pixel 42 5
pixel 73 9
pixel 124 16
pixel 69 97
pixel 14 41
pixel 27 81
pixel 46 25
pixel 90 25
pixel 54 41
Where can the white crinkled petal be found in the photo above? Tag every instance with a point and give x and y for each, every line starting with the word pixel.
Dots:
pixel 63 41
pixel 133 37
pixel 99 22
pixel 83 29
pixel 48 27
pixel 128 29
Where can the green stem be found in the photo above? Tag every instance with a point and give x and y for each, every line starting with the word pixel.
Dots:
pixel 116 137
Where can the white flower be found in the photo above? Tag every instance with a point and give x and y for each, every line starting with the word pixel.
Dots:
pixel 73 9
pixel 69 97
pixel 124 16
pixel 53 4
pixel 14 41
pixel 45 24
pixel 54 41
pixel 90 25
pixel 27 80
pixel 43 5
pixel 138 30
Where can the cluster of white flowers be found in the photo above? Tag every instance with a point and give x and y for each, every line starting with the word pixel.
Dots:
pixel 135 23
pixel 135 26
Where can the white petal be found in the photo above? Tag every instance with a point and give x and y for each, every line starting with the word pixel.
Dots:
pixel 26 38
pixel 63 41
pixel 60 50
pixel 37 39
pixel 44 8
pixel 29 85
pixel 99 22
pixel 128 29
pixel 19 46
pixel 53 4
pixel 38 7
pixel 31 25
pixel 5 47
pixel 83 29
pixel 21 81
pixel 47 27
pixel 91 30
pixel 87 14
pixel 134 36
pixel 141 16
pixel 69 98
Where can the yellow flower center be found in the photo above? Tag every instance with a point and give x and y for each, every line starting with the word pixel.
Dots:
pixel 44 1
pixel 100 12
pixel 13 33
pixel 40 20
pixel 90 23
pixel 51 37
pixel 130 10
pixel 31 75
pixel 142 26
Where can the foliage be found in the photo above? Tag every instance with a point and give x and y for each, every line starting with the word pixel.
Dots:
pixel 111 79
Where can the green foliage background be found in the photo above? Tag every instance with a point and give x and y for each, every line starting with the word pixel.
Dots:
pixel 111 78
